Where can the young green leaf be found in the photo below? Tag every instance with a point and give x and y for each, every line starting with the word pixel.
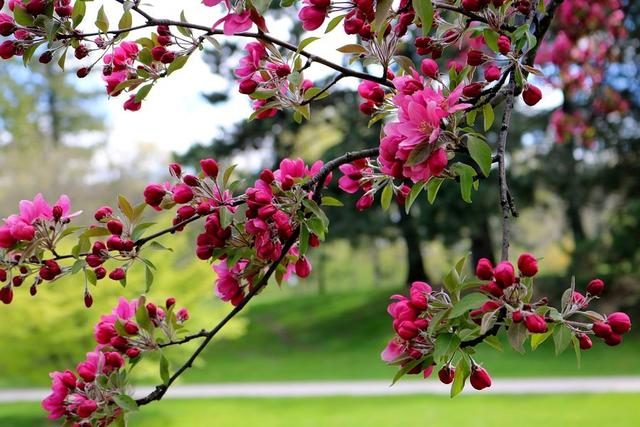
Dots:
pixel 481 153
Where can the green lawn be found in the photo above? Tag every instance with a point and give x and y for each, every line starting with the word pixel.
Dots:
pixel 584 410
pixel 340 336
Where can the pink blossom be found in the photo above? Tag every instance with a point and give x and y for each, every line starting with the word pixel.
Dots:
pixel 228 281
pixel 235 22
pixel 392 351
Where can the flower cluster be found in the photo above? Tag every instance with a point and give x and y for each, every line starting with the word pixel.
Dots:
pixel 25 238
pixel 267 78
pixel 99 393
pixel 436 329
pixel 246 240
pixel 90 395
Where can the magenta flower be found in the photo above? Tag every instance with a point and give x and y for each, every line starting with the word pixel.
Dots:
pixel 392 351
pixel 235 22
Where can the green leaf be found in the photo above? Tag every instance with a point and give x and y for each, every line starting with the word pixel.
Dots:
pixel 79 10
pixel 126 402
pixel 164 369
pixel 125 206
pixel 487 113
pixel 467 303
pixel 517 334
pixel 424 9
pixel 102 22
pixel 148 278
pixel 227 175
pixel 91 276
pixel 385 198
pixel 306 42
pixel 21 17
pixel 143 92
pixel 561 338
pixel 446 345
pixel 125 21
pixel 435 321
pixel 480 152
pixel 352 48
pixel 537 339
pixel 494 342
pixel 177 63
pixel 461 262
pixel 261 5
pixel 576 349
pixel 433 185
pixel 77 266
pixel 383 8
pixel 406 368
pixel 491 39
pixel 452 281
pixel 331 201
pixel 413 194
pixel 315 209
pixel 462 373
pixel 466 174
pixel 159 246
pixel 303 244
pixel 334 23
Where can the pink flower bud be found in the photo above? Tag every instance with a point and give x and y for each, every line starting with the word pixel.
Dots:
pixel 504 274
pixel 132 353
pixel 117 274
pixel 103 212
pixel 152 310
pixel 484 269
pixel 620 322
pixel 492 73
pixel 88 300
pixel 115 227
pixel 6 294
pixel 407 330
pixel 170 302
pixel 429 68
pixel 364 202
pixel 504 44
pixel 595 287
pixel 472 5
pixel 209 167
pixel 7 49
pixel 517 316
pixel 426 373
pixel 585 341
pixel 531 95
pixel 86 408
pixel 601 329
pixel 247 86
pixel 182 315
pixel 182 193
pixel 472 90
pixel 303 267
pixel 480 378
pixel 86 371
pixel 446 374
pixel 475 58
pixel 175 169
pixel 528 265
pixel 100 272
pixel 613 339
pixel 131 328
pixel 535 323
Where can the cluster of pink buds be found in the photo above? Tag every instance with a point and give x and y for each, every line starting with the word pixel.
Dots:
pixel 97 393
pixel 25 237
pixel 270 218
pixel 92 395
pixel 266 79
pixel 131 328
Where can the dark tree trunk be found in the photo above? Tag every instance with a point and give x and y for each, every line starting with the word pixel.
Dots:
pixel 415 263
pixel 482 243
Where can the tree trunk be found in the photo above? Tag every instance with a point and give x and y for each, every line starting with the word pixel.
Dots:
pixel 482 243
pixel 415 263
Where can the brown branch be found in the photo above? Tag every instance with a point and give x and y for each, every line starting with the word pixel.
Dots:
pixel 472 16
pixel 504 189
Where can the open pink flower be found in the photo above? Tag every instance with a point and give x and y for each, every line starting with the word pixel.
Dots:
pixel 392 351
pixel 235 22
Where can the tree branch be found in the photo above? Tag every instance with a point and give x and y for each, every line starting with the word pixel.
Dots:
pixel 504 189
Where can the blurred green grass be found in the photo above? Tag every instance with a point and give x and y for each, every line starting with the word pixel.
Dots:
pixel 585 410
